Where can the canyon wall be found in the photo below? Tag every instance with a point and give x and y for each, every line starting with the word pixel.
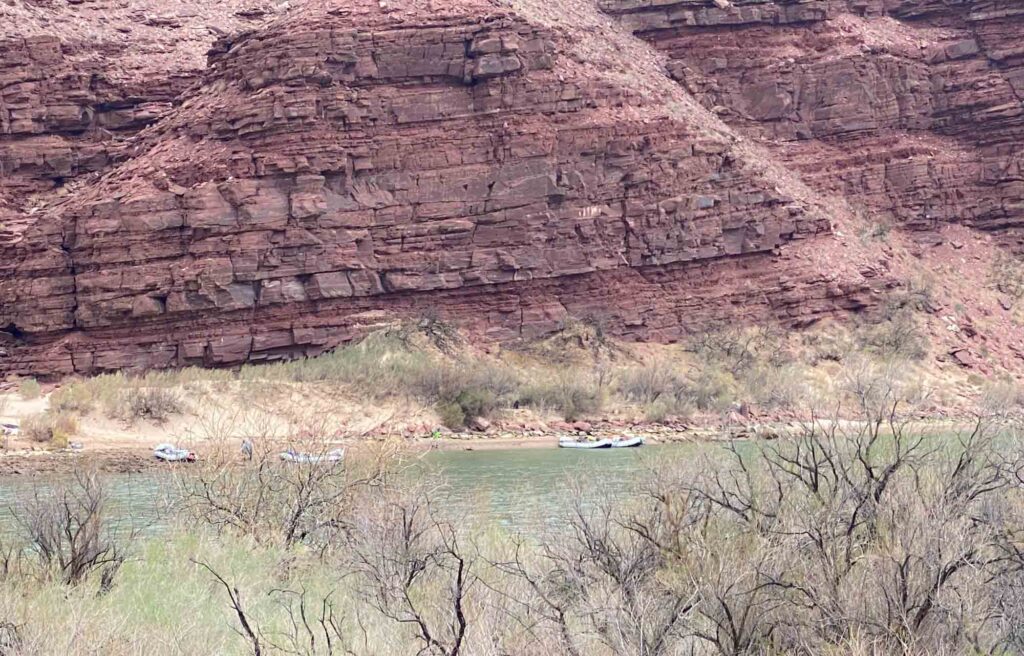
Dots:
pixel 911 109
pixel 325 168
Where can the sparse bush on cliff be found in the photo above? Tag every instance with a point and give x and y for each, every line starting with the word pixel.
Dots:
pixel 29 389
pixel 734 348
pixel 898 336
pixel 1007 276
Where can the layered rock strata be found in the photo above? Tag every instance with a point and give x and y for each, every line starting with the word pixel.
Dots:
pixel 911 109
pixel 352 163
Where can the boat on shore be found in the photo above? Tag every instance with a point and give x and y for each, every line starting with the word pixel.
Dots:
pixel 616 443
pixel 171 453
pixel 568 443
pixel 337 455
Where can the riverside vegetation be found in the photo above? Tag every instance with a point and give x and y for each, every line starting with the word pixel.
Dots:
pixel 857 532
pixel 428 369
pixel 846 537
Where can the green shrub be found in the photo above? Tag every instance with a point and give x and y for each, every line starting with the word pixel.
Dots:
pixel 477 390
pixel 714 389
pixel 451 415
pixel 571 394
pixel 29 389
pixel 476 403
pixel 153 403
pixel 73 397
pixel 650 382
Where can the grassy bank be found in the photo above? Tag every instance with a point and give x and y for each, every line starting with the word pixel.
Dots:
pixel 424 378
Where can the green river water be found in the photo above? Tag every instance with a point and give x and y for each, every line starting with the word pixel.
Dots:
pixel 518 489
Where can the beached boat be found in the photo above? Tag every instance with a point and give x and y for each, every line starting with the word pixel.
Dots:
pixel 337 455
pixel 171 453
pixel 627 442
pixel 568 443
pixel 9 429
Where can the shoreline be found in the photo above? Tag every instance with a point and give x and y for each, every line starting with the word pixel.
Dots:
pixel 124 457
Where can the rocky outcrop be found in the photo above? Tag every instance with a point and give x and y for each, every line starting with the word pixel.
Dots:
pixel 77 80
pixel 912 109
pixel 333 166
pixel 348 165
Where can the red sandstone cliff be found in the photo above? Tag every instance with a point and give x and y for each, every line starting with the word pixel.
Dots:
pixel 332 165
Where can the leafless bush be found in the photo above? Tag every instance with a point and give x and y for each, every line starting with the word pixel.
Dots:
pixel 69 532
pixel 849 537
pixel 414 568
pixel 607 579
pixel 651 382
pixel 662 390
pixel 734 348
pixel 314 626
pixel 279 502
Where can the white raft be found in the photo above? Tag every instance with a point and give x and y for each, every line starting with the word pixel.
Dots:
pixel 337 455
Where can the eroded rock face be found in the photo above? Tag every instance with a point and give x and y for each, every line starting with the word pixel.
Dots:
pixel 910 108
pixel 342 166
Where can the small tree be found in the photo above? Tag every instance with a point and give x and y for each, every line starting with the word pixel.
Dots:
pixel 414 568
pixel 275 501
pixel 70 533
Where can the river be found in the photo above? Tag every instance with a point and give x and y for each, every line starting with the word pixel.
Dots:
pixel 519 489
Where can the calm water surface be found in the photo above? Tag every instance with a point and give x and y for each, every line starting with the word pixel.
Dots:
pixel 520 489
